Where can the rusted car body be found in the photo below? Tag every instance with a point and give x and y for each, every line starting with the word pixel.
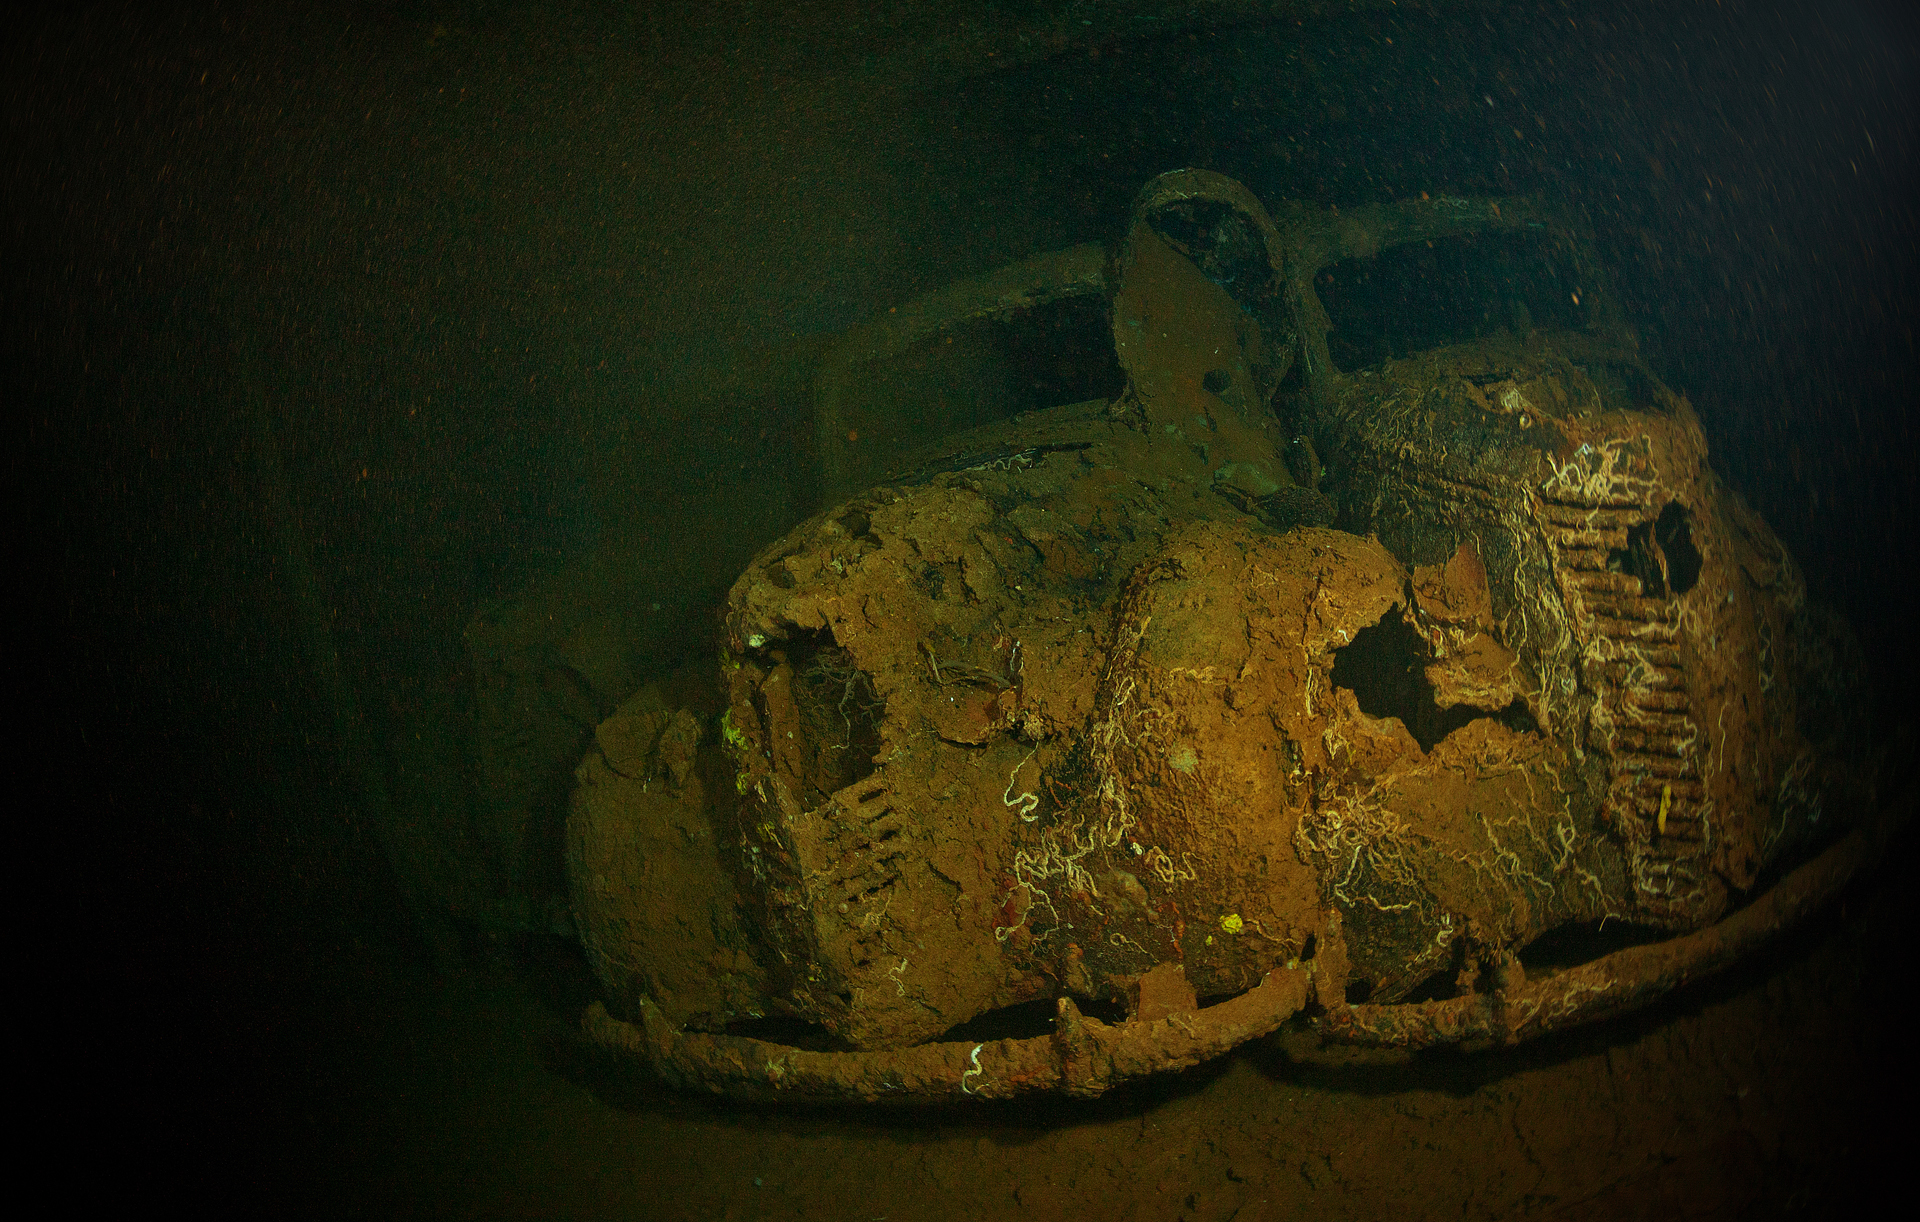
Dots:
pixel 1284 685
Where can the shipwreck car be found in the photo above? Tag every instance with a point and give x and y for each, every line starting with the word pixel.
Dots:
pixel 1384 623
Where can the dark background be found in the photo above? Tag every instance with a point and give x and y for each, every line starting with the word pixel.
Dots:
pixel 464 251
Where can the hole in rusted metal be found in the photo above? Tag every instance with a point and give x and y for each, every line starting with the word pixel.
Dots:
pixel 1385 667
pixel 1661 554
pixel 839 712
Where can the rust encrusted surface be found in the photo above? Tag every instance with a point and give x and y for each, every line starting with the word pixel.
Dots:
pixel 1649 600
pixel 655 909
pixel 1089 709
pixel 1031 728
pixel 967 619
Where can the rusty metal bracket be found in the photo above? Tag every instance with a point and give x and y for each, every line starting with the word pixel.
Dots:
pixel 1083 1056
